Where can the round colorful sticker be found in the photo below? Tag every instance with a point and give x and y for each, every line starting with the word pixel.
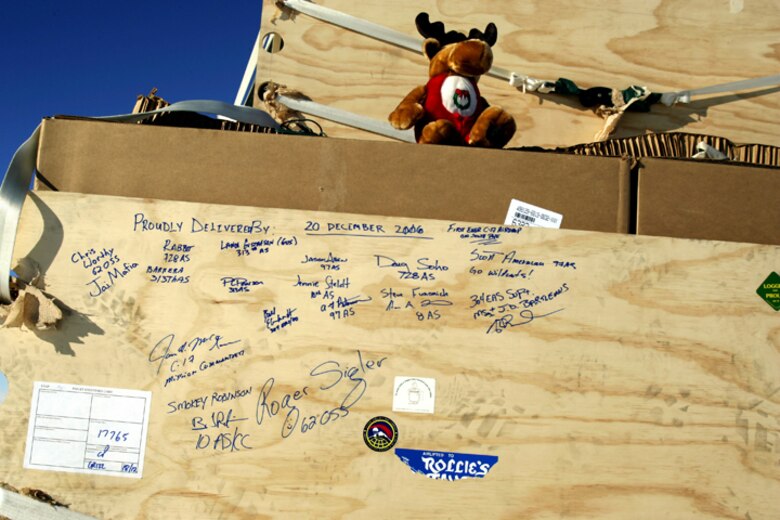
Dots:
pixel 380 434
pixel 459 96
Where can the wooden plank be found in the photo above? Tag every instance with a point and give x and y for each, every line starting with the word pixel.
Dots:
pixel 625 377
pixel 666 45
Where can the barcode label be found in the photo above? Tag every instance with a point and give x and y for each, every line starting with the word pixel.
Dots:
pixel 523 214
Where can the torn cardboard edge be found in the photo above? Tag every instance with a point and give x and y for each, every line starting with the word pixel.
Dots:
pixel 31 308
pixel 678 145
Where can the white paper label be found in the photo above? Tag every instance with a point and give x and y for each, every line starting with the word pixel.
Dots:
pixel 414 394
pixel 82 429
pixel 524 214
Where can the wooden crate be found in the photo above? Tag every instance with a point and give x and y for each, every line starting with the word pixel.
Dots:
pixel 665 45
pixel 612 376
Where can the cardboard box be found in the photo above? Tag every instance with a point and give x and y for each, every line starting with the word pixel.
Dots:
pixel 708 200
pixel 297 172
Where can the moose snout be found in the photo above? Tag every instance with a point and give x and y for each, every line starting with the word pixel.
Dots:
pixel 471 58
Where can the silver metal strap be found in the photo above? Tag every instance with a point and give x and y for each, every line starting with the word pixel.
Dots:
pixel 16 182
pixel 12 194
pixel 358 25
pixel 684 96
pixel 346 118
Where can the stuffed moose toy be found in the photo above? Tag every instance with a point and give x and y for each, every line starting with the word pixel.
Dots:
pixel 449 109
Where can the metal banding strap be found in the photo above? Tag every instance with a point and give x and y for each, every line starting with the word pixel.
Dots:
pixel 16 182
pixel 346 118
pixel 12 194
pixel 358 25
pixel 684 96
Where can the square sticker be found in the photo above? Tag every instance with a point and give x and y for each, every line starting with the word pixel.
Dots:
pixel 84 429
pixel 414 394
pixel 523 214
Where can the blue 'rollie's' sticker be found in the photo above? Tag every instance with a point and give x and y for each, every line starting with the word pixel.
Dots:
pixel 445 465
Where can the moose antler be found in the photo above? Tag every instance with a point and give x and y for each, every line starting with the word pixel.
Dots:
pixel 489 36
pixel 435 30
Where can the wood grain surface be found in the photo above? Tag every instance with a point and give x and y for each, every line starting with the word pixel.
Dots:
pixel 613 376
pixel 666 45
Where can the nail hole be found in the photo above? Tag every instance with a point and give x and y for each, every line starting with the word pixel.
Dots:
pixel 272 43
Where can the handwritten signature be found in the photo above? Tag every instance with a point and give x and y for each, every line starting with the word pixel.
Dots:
pixel 348 377
pixel 506 321
pixel 165 349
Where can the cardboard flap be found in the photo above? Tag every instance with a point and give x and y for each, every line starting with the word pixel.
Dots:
pixel 707 200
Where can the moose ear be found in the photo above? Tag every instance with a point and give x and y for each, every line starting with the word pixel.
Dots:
pixel 491 34
pixel 431 46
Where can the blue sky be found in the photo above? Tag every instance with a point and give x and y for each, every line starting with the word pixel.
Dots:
pixel 93 58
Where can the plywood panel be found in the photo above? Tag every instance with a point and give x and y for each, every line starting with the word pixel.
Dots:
pixel 666 45
pixel 613 376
